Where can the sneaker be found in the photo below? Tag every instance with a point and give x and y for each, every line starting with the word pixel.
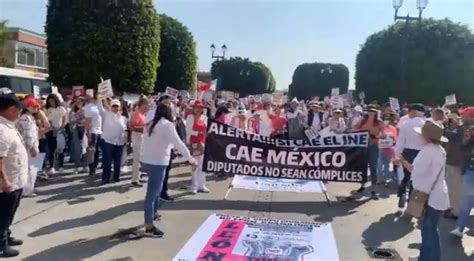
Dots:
pixel 204 190
pixel 14 242
pixel 401 202
pixel 137 184
pixel 154 231
pixel 167 199
pixel 8 252
pixel 52 171
pixel 157 217
pixel 457 232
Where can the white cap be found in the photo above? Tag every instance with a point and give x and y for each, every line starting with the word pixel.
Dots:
pixel 358 108
pixel 115 102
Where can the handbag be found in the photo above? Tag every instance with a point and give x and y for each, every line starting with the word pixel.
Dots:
pixel 419 199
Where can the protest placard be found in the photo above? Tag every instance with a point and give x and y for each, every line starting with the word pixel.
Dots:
pixel 450 99
pixel 77 91
pixel 340 158
pixel 394 104
pixel 337 102
pixel 90 92
pixel 335 92
pixel 311 133
pixel 277 98
pixel 54 89
pixel 104 89
pixel 267 98
pixel 171 92
pixel 208 96
pixel 223 237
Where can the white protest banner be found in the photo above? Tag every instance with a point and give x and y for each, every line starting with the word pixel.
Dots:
pixel 171 92
pixel 90 92
pixel 267 98
pixel 450 99
pixel 104 89
pixel 311 133
pixel 394 104
pixel 35 166
pixel 277 98
pixel 335 92
pixel 259 239
pixel 228 95
pixel 385 143
pixel 327 100
pixel 270 184
pixel 285 99
pixel 36 91
pixel 337 102
pixel 54 89
pixel 77 91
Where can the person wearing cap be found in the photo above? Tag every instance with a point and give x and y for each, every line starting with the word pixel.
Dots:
pixel 136 125
pixel 13 171
pixel 28 129
pixel 57 116
pixel 374 126
pixel 427 172
pixel 196 127
pixel 467 198
pixel 337 124
pixel 408 145
pixel 114 139
pixel 93 130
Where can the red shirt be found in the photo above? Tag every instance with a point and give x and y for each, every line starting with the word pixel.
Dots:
pixel 199 126
pixel 137 120
pixel 278 123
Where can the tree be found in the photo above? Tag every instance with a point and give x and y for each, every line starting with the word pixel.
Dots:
pixel 177 56
pixel 3 40
pixel 113 39
pixel 439 60
pixel 317 79
pixel 243 76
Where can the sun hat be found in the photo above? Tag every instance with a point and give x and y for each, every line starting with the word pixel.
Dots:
pixel 358 108
pixel 372 108
pixel 337 111
pixel 115 102
pixel 432 131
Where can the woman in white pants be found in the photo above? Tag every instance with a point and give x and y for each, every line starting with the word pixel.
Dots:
pixel 137 122
pixel 196 126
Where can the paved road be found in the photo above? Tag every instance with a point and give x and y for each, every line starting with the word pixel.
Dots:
pixel 74 219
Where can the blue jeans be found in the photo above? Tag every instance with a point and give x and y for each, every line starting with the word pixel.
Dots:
pixel 111 154
pixel 383 167
pixel 430 249
pixel 467 199
pixel 409 155
pixel 95 141
pixel 156 175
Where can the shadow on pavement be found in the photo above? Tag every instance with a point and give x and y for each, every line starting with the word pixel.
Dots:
pixel 99 217
pixel 75 250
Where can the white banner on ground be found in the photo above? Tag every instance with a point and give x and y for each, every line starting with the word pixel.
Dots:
pixel 223 237
pixel 104 89
pixel 394 104
pixel 450 99
pixel 272 184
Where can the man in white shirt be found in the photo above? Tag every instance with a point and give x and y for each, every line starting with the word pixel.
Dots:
pixel 93 129
pixel 408 145
pixel 13 171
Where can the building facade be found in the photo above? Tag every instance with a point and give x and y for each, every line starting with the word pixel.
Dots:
pixel 26 50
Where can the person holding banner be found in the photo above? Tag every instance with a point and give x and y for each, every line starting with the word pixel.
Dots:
pixel 114 139
pixel 278 123
pixel 196 128
pixel 375 127
pixel 316 119
pixel 160 136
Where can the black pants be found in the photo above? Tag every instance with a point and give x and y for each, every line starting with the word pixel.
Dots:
pixel 409 155
pixel 9 203
pixel 52 144
pixel 164 190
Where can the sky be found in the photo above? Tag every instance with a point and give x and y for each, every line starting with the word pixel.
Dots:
pixel 280 33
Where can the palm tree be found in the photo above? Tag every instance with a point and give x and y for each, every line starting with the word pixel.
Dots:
pixel 3 40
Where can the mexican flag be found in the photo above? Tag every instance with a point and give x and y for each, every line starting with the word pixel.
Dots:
pixel 206 86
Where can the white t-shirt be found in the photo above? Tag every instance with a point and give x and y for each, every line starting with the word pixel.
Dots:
pixel 56 116
pixel 14 154
pixel 92 111
pixel 115 126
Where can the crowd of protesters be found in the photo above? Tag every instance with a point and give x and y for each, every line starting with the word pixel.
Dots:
pixel 158 130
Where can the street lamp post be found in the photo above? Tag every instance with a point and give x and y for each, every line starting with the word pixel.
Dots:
pixel 218 57
pixel 420 5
